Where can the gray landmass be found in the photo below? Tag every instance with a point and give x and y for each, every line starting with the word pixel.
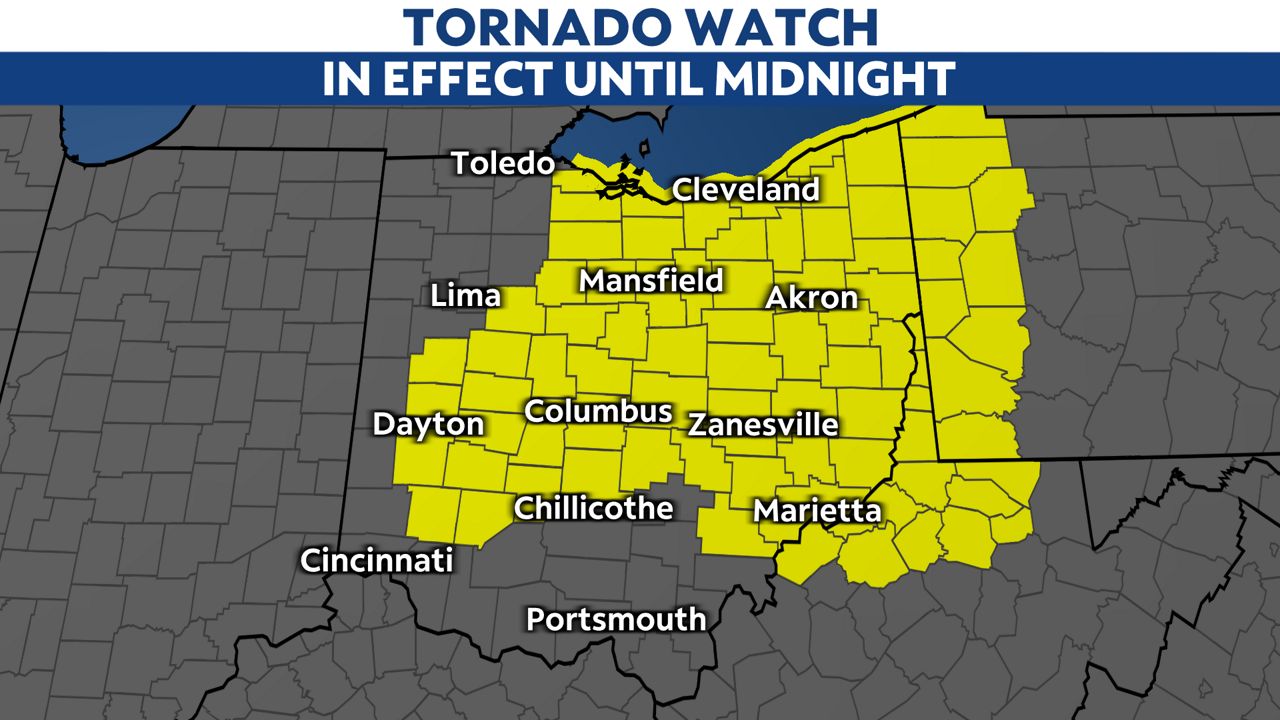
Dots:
pixel 30 162
pixel 1055 614
pixel 1151 273
pixel 400 131
pixel 179 412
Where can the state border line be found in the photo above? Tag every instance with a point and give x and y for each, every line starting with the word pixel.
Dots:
pixel 31 279
pixel 1115 458
pixel 364 335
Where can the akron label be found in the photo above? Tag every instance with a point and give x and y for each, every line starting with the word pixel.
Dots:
pixel 797 298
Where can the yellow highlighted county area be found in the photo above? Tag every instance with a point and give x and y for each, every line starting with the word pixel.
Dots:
pixel 916 213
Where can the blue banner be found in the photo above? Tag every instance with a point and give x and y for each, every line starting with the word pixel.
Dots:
pixel 658 78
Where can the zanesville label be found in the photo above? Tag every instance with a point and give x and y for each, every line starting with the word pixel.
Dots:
pixel 805 423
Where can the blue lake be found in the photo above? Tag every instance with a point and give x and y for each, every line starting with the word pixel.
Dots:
pixel 704 139
pixel 96 134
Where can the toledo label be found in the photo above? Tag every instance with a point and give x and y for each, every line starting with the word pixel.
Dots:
pixel 496 163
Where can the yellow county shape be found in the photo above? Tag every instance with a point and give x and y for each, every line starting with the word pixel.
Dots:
pixel 902 403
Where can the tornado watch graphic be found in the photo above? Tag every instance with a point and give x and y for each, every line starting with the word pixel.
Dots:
pixel 595 360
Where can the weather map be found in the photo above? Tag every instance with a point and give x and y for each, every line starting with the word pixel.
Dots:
pixel 610 361
pixel 742 352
